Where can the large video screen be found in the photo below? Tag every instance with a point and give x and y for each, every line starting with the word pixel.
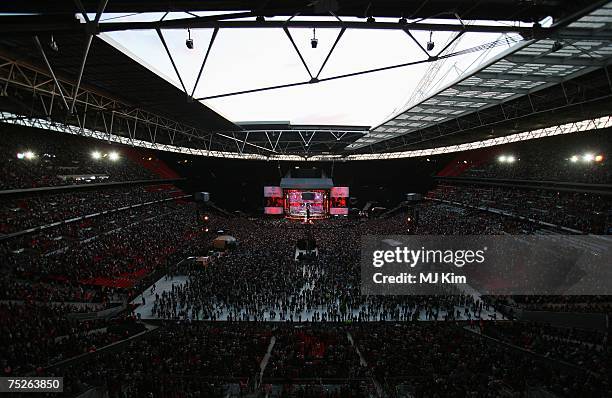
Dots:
pixel 339 201
pixel 273 200
pixel 298 201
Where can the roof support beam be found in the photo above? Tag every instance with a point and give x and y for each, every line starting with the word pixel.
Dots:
pixel 297 50
pixel 212 40
pixel 551 60
pixel 161 37
pixel 330 52
pixel 474 99
pixel 489 89
pixel 518 77
pixel 201 23
pixel 50 69
pixel 95 24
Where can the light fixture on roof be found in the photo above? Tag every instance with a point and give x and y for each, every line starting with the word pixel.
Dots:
pixel 53 44
pixel 113 156
pixel 557 45
pixel 314 41
pixel 430 43
pixel 189 41
pixel 96 155
pixel 402 21
pixel 371 19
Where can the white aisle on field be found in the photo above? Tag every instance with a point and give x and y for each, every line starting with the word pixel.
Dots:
pixel 165 285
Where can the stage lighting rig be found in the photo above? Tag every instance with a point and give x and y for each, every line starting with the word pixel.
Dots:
pixel 314 41
pixel 430 43
pixel 189 41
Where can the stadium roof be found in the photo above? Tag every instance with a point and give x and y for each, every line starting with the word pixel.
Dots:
pixel 559 68
pixel 509 10
pixel 579 47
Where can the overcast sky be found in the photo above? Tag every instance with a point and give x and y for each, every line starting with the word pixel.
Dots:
pixel 244 59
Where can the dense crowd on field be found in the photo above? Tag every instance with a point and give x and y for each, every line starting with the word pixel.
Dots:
pixel 261 281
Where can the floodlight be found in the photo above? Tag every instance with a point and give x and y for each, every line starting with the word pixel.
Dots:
pixel 502 158
pixel 189 41
pixel 574 159
pixel 29 155
pixel 96 155
pixel 113 156
pixel 20 155
pixel 430 43
pixel 53 44
pixel 599 158
pixel 510 159
pixel 588 157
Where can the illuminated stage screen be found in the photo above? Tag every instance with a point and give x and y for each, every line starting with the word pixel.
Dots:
pixel 298 200
pixel 273 197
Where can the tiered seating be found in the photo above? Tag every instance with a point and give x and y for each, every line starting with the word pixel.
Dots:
pixel 571 158
pixel 584 212
pixel 36 158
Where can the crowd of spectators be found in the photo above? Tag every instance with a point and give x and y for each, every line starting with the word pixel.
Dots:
pixel 581 347
pixel 303 325
pixel 584 212
pixel 33 336
pixel 567 158
pixel 260 281
pixel 193 360
pixel 34 211
pixel 444 360
pixel 122 246
pixel 31 158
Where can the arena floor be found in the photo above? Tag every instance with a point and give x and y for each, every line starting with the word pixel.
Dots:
pixel 164 284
